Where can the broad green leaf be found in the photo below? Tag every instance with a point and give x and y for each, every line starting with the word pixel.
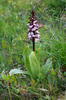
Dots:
pixel 15 71
pixel 26 58
pixel 4 76
pixel 46 68
pixel 34 65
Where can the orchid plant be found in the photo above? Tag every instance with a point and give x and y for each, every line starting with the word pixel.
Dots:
pixel 33 33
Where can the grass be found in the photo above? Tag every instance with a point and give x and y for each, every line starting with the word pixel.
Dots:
pixel 43 76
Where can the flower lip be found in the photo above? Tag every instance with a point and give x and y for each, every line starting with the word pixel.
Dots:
pixel 31 33
pixel 37 32
pixel 35 22
pixel 34 29
pixel 30 26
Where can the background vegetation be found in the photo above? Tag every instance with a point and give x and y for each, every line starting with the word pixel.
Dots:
pixel 40 75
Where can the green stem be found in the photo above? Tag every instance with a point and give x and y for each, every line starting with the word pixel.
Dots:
pixel 9 93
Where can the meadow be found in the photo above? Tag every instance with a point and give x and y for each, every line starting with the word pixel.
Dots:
pixel 32 49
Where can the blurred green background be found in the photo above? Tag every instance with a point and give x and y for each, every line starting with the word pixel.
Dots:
pixel 14 17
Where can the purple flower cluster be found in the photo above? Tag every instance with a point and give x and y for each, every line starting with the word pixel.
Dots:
pixel 33 28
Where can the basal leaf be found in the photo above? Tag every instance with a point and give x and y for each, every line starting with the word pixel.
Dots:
pixel 34 65
pixel 26 58
pixel 46 68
